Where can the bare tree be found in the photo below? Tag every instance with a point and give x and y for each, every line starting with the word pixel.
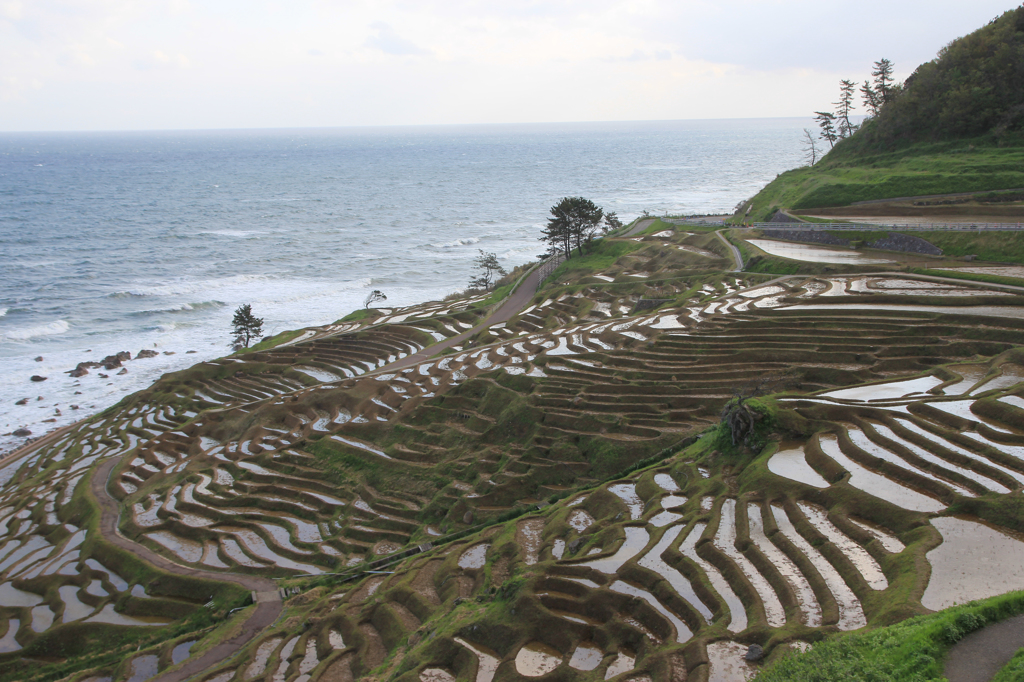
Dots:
pixel 810 148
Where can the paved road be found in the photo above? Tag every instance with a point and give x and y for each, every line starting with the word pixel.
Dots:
pixel 640 226
pixel 737 257
pixel 980 655
pixel 268 601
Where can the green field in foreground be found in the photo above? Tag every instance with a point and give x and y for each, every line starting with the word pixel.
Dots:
pixel 911 651
pixel 940 168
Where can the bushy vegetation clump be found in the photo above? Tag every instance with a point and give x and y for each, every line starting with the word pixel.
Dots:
pixel 974 87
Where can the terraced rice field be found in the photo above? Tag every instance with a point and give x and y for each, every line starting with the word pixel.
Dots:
pixel 893 441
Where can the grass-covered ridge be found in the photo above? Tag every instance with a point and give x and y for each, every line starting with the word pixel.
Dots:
pixel 954 126
pixel 917 170
pixel 911 651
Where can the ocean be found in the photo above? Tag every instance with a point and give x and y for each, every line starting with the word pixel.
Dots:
pixel 150 240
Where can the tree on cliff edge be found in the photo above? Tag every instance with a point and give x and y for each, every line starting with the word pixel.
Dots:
pixel 246 326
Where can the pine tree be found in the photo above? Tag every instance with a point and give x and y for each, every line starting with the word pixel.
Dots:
pixel 883 81
pixel 573 220
pixel 246 326
pixel 828 130
pixel 844 106
pixel 872 102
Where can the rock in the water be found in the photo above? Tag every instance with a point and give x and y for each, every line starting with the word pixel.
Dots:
pixel 754 653
pixel 74 407
pixel 168 352
pixel 78 372
pixel 37 378
pixel 146 354
pixel 190 352
pixel 21 433
pixel 56 411
pixel 111 362
pixel 39 359
pixel 23 401
pixel 123 371
pixel 103 376
pixel 124 356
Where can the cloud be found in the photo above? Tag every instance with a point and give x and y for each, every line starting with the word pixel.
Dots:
pixel 389 42
pixel 158 59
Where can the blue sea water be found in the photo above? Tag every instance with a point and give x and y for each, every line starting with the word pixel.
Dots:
pixel 125 241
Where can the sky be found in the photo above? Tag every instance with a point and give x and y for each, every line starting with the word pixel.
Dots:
pixel 70 65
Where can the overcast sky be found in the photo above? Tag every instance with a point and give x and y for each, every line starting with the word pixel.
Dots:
pixel 176 64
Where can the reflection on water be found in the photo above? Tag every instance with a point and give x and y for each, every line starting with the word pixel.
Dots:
pixel 791 463
pixel 636 540
pixel 536 659
pixel 814 254
pixel 474 556
pixel 984 310
pixel 623 662
pixel 727 663
pixel 876 484
pixel 974 561
pixel 586 657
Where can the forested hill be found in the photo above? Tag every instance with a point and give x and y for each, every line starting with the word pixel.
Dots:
pixel 973 88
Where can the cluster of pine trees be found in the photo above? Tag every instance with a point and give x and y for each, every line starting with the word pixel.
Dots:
pixel 973 88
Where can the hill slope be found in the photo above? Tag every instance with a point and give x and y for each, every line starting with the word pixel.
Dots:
pixel 957 125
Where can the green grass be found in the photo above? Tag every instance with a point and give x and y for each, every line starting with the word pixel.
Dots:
pixel 357 315
pixel 600 255
pixel 911 651
pixel 272 341
pixel 1012 671
pixel 998 246
pixel 936 168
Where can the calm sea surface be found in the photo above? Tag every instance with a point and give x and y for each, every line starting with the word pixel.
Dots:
pixel 125 241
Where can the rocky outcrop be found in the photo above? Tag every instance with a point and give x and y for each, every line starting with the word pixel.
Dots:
pixel 37 378
pixel 21 433
pixel 114 361
pixel 895 241
pixel 815 236
pixel 147 353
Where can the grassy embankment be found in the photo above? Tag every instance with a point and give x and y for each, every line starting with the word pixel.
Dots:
pixel 920 169
pixel 911 651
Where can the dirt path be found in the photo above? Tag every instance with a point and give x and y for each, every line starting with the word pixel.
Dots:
pixel 737 257
pixel 980 655
pixel 512 305
pixel 268 601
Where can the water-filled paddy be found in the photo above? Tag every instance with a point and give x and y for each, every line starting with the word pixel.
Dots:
pixel 792 463
pixel 974 561
pixel 814 254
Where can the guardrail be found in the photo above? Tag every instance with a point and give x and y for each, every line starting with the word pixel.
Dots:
pixel 548 267
pixel 920 227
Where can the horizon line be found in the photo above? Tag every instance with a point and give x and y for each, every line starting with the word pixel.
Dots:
pixel 407 126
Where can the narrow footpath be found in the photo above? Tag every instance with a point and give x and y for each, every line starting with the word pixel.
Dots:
pixel 737 257
pixel 268 600
pixel 980 655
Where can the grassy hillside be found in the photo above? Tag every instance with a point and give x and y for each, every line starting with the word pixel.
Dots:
pixel 920 169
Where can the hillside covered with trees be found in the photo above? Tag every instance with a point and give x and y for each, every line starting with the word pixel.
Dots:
pixel 955 125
